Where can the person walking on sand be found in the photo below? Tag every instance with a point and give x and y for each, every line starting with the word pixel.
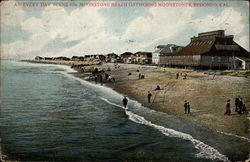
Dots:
pixel 177 75
pixel 188 108
pixel 228 108
pixel 185 106
pixel 185 76
pixel 125 101
pixel 149 96
pixel 240 105
pixel 237 103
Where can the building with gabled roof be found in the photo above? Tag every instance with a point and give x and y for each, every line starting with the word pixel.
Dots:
pixel 143 57
pixel 163 50
pixel 210 50
pixel 128 57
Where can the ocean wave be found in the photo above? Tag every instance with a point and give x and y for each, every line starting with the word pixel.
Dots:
pixel 234 135
pixel 205 151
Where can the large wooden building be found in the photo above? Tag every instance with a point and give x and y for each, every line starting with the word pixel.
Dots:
pixel 209 50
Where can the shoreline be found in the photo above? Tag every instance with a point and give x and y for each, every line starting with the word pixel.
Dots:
pixel 170 99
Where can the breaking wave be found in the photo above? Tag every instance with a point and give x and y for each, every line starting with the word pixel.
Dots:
pixel 205 151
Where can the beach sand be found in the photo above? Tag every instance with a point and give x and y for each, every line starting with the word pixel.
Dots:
pixel 207 94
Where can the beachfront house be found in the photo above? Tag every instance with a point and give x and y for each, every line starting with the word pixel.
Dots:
pixel 100 57
pixel 128 57
pixel 88 58
pixel 48 58
pixel 209 50
pixel 96 57
pixel 111 57
pixel 61 58
pixel 39 58
pixel 77 58
pixel 161 51
pixel 143 57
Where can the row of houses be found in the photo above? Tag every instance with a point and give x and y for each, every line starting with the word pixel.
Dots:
pixel 208 50
pixel 127 57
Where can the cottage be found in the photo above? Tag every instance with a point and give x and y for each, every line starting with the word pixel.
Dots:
pixel 39 58
pixel 143 57
pixel 161 51
pixel 89 58
pixel 100 57
pixel 62 58
pixel 128 57
pixel 210 50
pixel 48 58
pixel 77 58
pixel 111 57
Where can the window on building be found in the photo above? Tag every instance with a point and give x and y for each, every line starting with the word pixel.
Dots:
pixel 219 59
pixel 212 59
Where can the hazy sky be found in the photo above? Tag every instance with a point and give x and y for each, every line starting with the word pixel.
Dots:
pixel 66 31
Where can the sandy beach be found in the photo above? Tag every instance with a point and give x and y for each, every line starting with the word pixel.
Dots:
pixel 207 94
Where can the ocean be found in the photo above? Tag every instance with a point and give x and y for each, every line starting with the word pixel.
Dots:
pixel 49 113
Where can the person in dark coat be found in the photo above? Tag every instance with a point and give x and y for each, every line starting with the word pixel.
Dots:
pixel 125 101
pixel 237 103
pixel 106 76
pixel 244 108
pixel 228 108
pixel 177 75
pixel 185 106
pixel 188 108
pixel 149 96
pixel 157 88
pixel 240 105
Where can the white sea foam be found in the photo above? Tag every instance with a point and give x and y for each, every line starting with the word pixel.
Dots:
pixel 205 151
pixel 234 135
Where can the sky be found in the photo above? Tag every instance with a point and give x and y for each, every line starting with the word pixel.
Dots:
pixel 54 28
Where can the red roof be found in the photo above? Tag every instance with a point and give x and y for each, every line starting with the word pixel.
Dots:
pixel 216 46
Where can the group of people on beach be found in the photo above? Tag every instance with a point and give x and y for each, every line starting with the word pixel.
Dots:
pixel 187 107
pixel 98 76
pixel 240 107
pixel 180 74
pixel 141 76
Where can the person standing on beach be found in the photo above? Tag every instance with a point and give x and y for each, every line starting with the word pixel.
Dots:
pixel 237 103
pixel 177 75
pixel 188 107
pixel 185 76
pixel 149 96
pixel 228 110
pixel 185 106
pixel 125 101
pixel 240 105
